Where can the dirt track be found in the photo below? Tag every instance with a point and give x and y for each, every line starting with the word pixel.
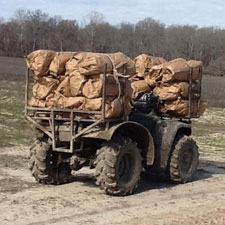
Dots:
pixel 81 202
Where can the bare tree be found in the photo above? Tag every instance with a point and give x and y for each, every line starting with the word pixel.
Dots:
pixel 30 30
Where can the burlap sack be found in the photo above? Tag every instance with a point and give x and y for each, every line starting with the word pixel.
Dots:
pixel 88 63
pixel 93 104
pixel 34 102
pixel 114 108
pixel 57 66
pixel 93 87
pixel 144 63
pixel 122 63
pixel 64 87
pixel 154 75
pixel 43 86
pixel 167 91
pixel 197 67
pixel 54 100
pixel 71 66
pixel 74 102
pixel 76 82
pixel 39 61
pixel 180 108
pixel 176 70
pixel 140 87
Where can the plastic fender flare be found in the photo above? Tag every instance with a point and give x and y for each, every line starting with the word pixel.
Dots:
pixel 140 135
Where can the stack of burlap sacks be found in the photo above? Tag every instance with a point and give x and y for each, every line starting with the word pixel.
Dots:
pixel 75 81
pixel 169 81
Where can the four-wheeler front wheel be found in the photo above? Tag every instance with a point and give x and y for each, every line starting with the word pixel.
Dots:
pixel 45 166
pixel 118 166
pixel 184 160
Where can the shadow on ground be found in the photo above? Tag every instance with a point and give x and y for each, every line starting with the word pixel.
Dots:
pixel 149 181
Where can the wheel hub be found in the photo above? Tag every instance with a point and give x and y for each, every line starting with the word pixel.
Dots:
pixel 186 160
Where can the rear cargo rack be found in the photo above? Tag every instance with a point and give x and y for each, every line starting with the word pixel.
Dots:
pixel 51 117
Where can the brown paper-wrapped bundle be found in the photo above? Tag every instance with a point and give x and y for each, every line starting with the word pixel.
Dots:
pixel 74 102
pixel 140 87
pixel 78 81
pixel 180 108
pixel 39 61
pixel 36 102
pixel 59 101
pixel 57 66
pixel 144 63
pixel 114 108
pixel 122 63
pixel 88 63
pixel 154 75
pixel 43 86
pixel 176 70
pixel 64 87
pixel 93 86
pixel 196 67
pixel 167 91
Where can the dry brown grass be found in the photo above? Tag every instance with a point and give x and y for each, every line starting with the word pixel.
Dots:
pixel 213 90
pixel 12 69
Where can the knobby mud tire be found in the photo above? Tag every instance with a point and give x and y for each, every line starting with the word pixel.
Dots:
pixel 184 160
pixel 44 167
pixel 118 166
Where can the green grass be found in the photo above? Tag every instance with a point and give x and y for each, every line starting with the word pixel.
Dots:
pixel 14 130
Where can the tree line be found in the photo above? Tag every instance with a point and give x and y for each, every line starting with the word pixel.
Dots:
pixel 30 30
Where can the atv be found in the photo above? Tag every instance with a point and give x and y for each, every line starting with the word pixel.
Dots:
pixel 119 149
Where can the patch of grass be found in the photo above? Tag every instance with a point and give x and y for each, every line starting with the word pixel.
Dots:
pixel 14 130
pixel 12 67
pixel 213 90
pixel 11 111
pixel 209 132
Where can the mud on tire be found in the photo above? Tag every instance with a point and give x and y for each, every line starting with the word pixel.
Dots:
pixel 184 160
pixel 43 164
pixel 118 166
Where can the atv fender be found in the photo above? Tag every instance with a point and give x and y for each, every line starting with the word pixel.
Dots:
pixel 133 130
pixel 164 134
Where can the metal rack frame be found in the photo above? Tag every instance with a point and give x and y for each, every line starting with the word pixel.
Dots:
pixel 189 116
pixel 75 117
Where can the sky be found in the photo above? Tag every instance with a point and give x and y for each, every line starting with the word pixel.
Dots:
pixel 203 13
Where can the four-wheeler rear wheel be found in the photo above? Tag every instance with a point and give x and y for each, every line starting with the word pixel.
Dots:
pixel 118 166
pixel 184 160
pixel 45 164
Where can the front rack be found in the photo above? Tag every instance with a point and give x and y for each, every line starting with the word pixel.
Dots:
pixel 190 100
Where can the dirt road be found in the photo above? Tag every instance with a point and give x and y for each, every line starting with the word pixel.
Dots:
pixel 22 201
